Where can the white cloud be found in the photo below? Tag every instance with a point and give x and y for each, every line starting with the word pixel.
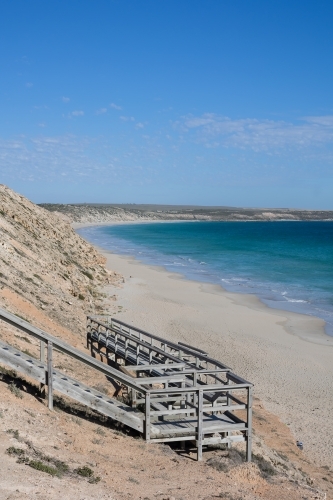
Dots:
pixel 29 84
pixel 320 120
pixel 139 125
pixel 52 158
pixel 127 118
pixel 115 106
pixel 101 111
pixel 77 113
pixel 258 134
pixel 65 99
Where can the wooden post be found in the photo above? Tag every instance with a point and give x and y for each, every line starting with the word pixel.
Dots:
pixel 228 404
pixel 42 358
pixel 42 351
pixel 147 416
pixel 200 424
pixel 88 332
pixel 126 348
pixel 249 425
pixel 49 375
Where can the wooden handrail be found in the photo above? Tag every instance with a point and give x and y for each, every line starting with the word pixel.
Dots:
pixel 190 351
pixel 62 346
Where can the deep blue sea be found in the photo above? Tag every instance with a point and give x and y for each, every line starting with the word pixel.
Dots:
pixel 288 265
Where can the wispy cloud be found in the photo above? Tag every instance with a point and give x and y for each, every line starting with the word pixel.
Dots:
pixel 115 106
pixel 76 113
pixel 101 111
pixel 139 125
pixel 127 118
pixel 259 135
pixel 29 85
pixel 65 99
pixel 74 158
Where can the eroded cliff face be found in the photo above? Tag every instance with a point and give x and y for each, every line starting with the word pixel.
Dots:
pixel 44 262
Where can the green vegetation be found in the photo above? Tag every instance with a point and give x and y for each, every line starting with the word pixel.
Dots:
pixel 38 465
pixel 233 457
pixel 14 432
pixel 94 480
pixel 100 431
pixel 8 372
pixel 15 390
pixel 266 468
pixel 133 480
pixel 88 473
pixel 40 461
pixel 15 451
pixel 81 297
pixel 84 471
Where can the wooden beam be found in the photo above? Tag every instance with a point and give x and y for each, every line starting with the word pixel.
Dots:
pixel 50 375
pixel 200 424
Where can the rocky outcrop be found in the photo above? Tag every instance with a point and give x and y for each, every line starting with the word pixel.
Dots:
pixel 44 261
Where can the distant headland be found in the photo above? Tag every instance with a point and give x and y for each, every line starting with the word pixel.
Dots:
pixel 99 212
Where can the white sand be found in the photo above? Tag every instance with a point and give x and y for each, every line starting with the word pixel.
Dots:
pixel 287 356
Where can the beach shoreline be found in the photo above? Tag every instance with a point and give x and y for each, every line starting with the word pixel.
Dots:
pixel 287 356
pixel 308 327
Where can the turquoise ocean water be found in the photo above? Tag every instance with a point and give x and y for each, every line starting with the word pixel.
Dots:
pixel 288 265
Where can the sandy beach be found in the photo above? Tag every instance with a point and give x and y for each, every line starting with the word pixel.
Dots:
pixel 287 356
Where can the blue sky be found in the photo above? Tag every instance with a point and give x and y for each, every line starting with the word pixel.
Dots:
pixel 210 102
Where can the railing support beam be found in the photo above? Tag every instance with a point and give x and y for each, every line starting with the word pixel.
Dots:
pixel 42 359
pixel 249 426
pixel 50 375
pixel 200 424
pixel 147 416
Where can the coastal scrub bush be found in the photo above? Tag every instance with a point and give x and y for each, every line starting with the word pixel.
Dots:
pixel 15 390
pixel 81 297
pixel 133 480
pixel 266 468
pixel 14 432
pixel 84 471
pixel 8 372
pixel 12 450
pixel 100 431
pixel 87 472
pixel 38 465
pixel 94 480
pixel 96 441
